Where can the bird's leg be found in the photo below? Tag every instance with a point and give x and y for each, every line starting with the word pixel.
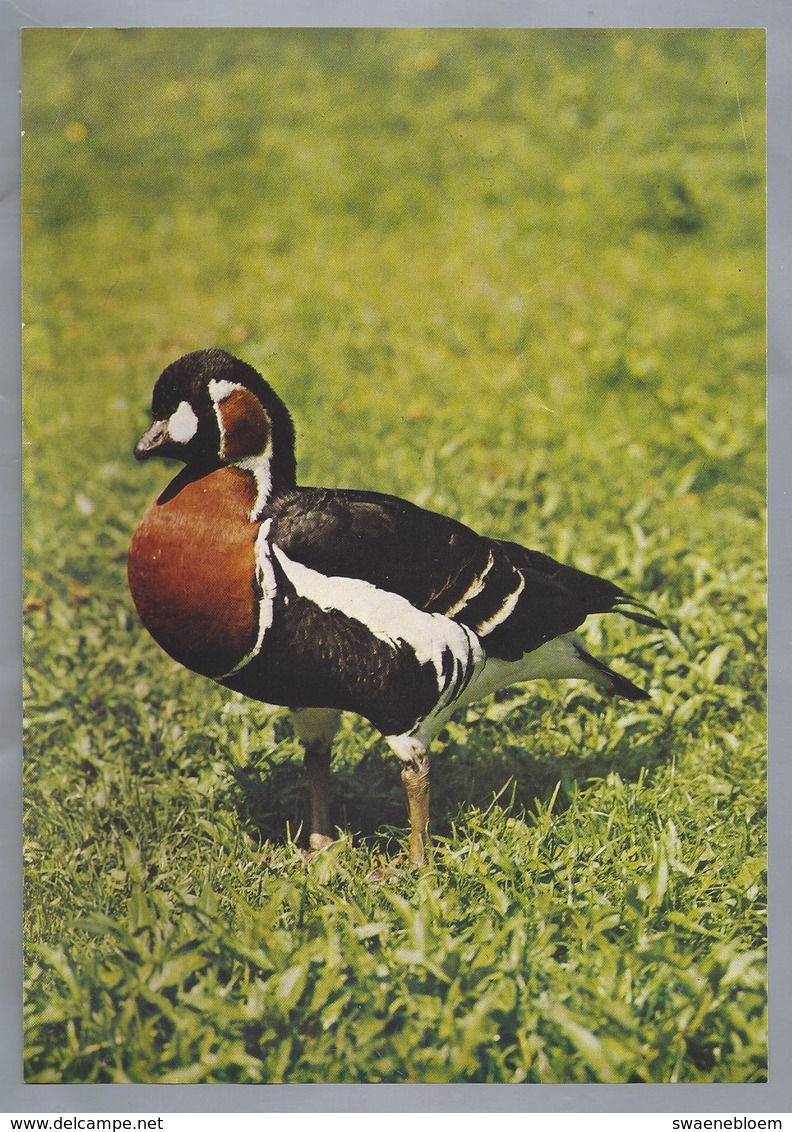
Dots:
pixel 316 728
pixel 317 780
pixel 415 776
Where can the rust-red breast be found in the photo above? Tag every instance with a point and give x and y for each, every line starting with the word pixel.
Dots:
pixel 192 570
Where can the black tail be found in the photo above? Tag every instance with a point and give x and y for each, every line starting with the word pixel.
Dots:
pixel 595 594
pixel 611 681
pixel 636 611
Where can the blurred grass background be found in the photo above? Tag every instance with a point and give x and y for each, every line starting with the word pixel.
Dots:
pixel 516 276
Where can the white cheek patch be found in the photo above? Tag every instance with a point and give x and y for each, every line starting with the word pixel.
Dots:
pixel 183 424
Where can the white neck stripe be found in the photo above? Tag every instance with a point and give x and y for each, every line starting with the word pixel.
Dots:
pixel 265 576
pixel 260 467
pixel 218 391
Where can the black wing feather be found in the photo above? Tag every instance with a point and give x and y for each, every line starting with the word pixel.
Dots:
pixel 515 598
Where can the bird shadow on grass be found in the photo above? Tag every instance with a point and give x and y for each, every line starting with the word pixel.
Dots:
pixel 369 801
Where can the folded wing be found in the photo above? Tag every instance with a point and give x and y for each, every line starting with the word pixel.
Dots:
pixel 513 598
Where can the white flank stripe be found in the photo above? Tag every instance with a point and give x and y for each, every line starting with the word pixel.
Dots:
pixel 497 618
pixel 388 616
pixel 265 576
pixel 475 588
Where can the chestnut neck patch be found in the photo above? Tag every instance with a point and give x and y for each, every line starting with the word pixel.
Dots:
pixel 244 426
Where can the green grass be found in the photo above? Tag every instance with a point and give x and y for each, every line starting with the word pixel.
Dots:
pixel 518 278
